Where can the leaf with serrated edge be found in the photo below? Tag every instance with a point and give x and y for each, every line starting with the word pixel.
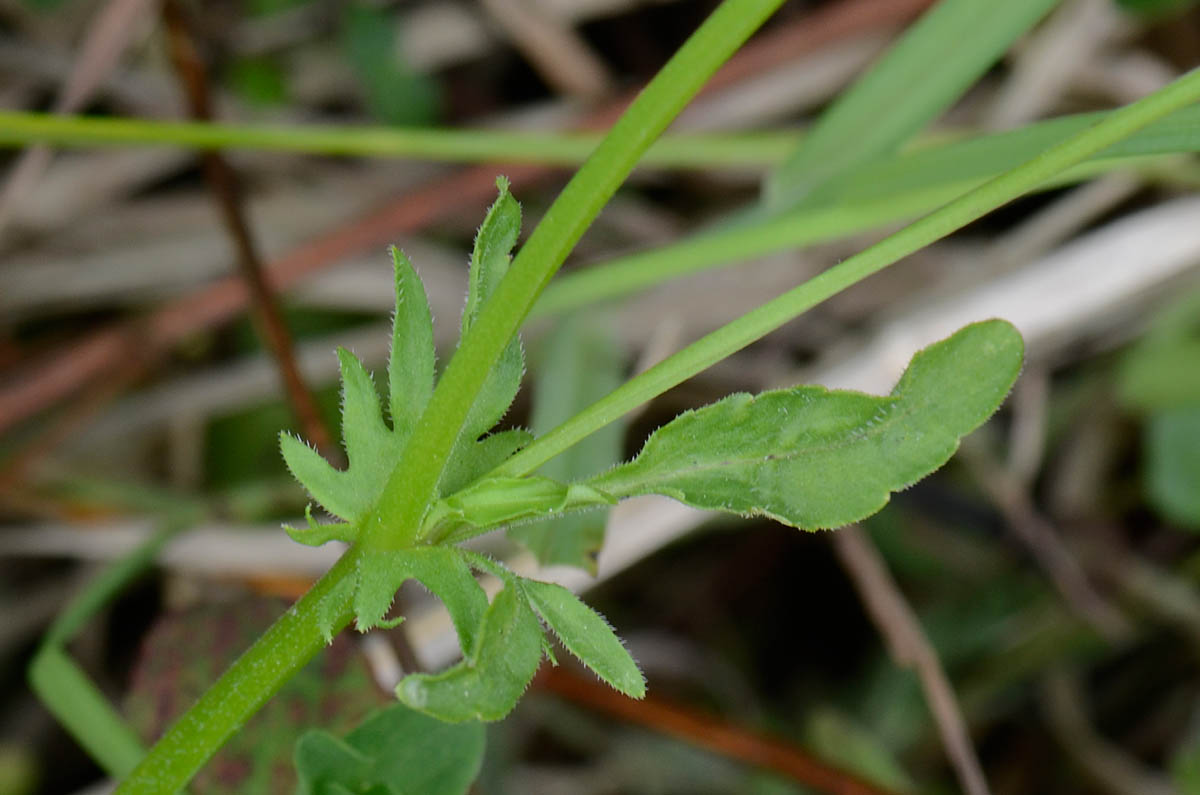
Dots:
pixel 395 750
pixel 581 365
pixel 490 257
pixel 371 449
pixel 489 262
pixel 440 569
pixel 410 363
pixel 814 458
pixel 326 485
pixel 333 606
pixel 488 683
pixel 586 634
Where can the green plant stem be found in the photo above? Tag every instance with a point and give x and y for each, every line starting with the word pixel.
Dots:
pixel 285 648
pixel 755 150
pixel 413 484
pixel 296 636
pixel 766 318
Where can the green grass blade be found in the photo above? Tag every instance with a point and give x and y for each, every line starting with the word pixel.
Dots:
pixel 884 191
pixel 759 322
pixel 66 690
pixel 930 67
pixel 755 150
pixel 84 711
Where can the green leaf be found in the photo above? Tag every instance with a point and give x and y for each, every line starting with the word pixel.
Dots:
pixel 481 458
pixel 472 457
pixel 814 458
pixel 395 751
pixel 371 449
pixel 581 366
pixel 502 500
pixel 1172 441
pixel 315 534
pixel 395 92
pixel 331 609
pixel 489 262
pixel 487 684
pixel 586 634
pixel 410 365
pixel 837 738
pixel 1159 371
pixel 491 255
pixel 930 67
pixel 1160 375
pixel 325 484
pixel 440 569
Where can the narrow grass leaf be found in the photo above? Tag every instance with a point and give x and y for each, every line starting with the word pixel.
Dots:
pixel 930 67
pixel 580 366
pixel 487 684
pixel 881 192
pixel 410 363
pixel 396 751
pixel 586 634
pixel 814 458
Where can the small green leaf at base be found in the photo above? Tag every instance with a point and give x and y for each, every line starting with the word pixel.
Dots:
pixel 396 751
pixel 488 683
pixel 814 458
pixel 586 634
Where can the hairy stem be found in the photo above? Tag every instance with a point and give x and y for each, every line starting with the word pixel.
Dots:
pixel 412 486
pixel 296 636
pixel 285 648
